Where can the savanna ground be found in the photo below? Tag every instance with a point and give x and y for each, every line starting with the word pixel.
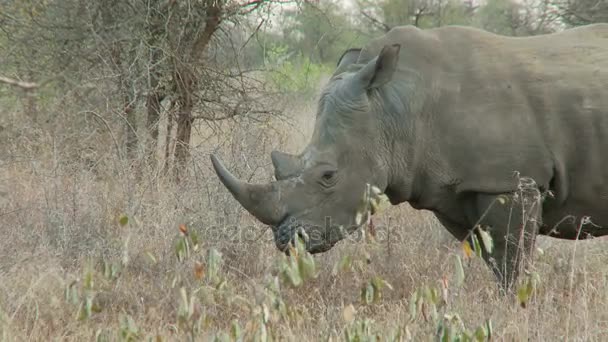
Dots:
pixel 91 250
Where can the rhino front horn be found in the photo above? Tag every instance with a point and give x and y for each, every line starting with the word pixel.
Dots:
pixel 261 200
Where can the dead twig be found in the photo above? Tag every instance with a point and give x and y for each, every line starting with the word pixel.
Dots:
pixel 16 83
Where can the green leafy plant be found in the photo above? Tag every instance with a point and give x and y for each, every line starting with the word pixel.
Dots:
pixel 128 329
pixel 298 76
pixel 186 243
pixel 82 293
pixel 372 291
pixel 527 288
pixel 360 330
pixel 452 329
pixel 298 266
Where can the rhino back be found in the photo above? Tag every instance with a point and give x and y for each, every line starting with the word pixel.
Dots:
pixel 493 105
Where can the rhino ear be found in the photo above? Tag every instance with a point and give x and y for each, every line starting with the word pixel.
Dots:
pixel 285 165
pixel 349 57
pixel 380 70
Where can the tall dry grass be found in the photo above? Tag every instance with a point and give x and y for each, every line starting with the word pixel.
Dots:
pixel 88 252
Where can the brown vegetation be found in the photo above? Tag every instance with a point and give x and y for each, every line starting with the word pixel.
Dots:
pixel 89 252
pixel 99 242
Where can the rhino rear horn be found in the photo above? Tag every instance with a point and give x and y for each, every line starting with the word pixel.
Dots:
pixel 261 200
pixel 285 165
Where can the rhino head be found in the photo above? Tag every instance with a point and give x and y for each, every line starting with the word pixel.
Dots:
pixel 318 194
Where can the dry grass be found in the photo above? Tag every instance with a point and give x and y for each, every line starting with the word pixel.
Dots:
pixel 61 236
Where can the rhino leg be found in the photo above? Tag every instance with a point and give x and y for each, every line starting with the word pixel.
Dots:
pixel 458 230
pixel 512 221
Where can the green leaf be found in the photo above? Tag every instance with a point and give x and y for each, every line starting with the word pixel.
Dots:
pixel 433 312
pixel 431 294
pixel 378 284
pixel 88 308
pixel 184 311
pixel 214 259
pixel 88 280
pixel 101 335
pixel 235 330
pixel 413 305
pixel 476 245
pixel 488 243
pixel 526 290
pixel 367 294
pixel 445 333
pixel 342 265
pixel 71 293
pixel 459 271
pixel 480 334
pixel 194 238
pixel 81 312
pixel 489 331
pixel 95 308
pixel 123 220
pixel 131 325
pixel 222 337
pixel 182 248
pixel 290 271
pixel 465 337
pixel 306 266
pixel 151 257
pixel 522 296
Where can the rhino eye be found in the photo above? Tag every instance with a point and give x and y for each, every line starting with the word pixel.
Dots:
pixel 328 175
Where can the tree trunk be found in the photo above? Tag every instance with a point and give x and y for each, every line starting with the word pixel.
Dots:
pixel 131 117
pixel 153 107
pixel 182 137
pixel 169 138
pixel 117 56
pixel 155 95
pixel 186 83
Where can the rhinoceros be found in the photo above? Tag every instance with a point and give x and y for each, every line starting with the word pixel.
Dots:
pixel 452 120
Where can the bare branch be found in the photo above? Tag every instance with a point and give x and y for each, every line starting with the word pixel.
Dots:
pixel 257 29
pixel 23 85
pixel 376 22
pixel 211 24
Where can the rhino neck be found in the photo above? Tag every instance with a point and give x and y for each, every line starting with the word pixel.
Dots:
pixel 403 131
pixel 402 172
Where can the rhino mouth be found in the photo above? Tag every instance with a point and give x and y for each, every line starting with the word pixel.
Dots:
pixel 317 239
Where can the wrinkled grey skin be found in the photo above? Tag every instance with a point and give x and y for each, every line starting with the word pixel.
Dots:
pixel 444 119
